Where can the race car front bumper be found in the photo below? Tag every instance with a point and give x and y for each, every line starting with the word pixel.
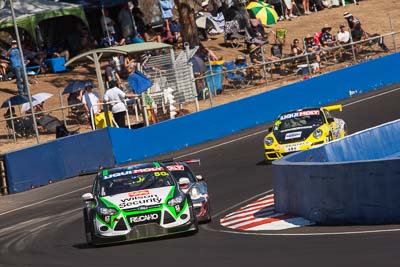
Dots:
pixel 279 151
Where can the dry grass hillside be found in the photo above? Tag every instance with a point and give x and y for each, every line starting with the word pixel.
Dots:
pixel 376 17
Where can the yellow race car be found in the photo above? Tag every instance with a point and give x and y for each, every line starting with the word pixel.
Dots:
pixel 302 129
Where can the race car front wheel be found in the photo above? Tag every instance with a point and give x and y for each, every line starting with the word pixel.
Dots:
pixel 88 228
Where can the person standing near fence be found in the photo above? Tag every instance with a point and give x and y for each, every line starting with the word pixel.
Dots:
pixel 116 96
pixel 90 100
pixel 17 64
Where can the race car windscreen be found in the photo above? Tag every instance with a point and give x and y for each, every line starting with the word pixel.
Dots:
pixel 179 171
pixel 299 119
pixel 127 181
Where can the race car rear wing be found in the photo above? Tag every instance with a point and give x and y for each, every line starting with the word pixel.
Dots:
pixel 334 107
pixel 189 161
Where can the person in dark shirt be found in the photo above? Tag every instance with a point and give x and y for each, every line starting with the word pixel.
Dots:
pixel 312 47
pixel 175 29
pixel 357 32
pixel 327 40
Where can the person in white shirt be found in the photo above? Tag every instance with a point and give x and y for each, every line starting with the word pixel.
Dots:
pixel 343 36
pixel 91 100
pixel 116 96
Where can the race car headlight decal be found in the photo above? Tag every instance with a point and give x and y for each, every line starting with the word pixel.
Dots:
pixel 106 211
pixel 317 133
pixel 194 193
pixel 269 141
pixel 175 201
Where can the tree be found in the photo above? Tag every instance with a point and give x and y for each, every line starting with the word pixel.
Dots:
pixel 187 19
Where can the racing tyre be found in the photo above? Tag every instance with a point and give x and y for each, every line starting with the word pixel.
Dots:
pixel 209 217
pixel 193 214
pixel 89 229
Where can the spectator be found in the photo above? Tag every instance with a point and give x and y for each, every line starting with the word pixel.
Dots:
pixel 312 47
pixel 166 35
pixel 241 66
pixel 166 10
pixel 107 24
pixel 288 9
pixel 111 74
pixel 138 16
pixel 357 32
pixel 17 64
pixel 126 21
pixel 91 101
pixel 327 40
pixel 116 96
pixel 175 29
pixel 306 7
pixel 343 36
pixel 150 35
pixel 206 54
pixel 296 49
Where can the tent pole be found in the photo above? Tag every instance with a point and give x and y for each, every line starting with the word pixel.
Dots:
pixel 21 54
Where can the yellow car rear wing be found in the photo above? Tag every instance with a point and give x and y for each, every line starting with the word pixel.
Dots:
pixel 333 107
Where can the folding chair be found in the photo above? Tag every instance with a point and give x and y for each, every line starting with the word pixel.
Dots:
pixel 235 79
pixel 233 35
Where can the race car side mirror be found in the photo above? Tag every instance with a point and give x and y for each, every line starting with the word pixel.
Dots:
pixel 330 120
pixel 87 197
pixel 199 177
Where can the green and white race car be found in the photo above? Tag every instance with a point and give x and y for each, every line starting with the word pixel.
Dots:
pixel 136 202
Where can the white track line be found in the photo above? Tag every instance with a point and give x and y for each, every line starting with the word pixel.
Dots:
pixel 266 130
pixel 195 152
pixel 45 200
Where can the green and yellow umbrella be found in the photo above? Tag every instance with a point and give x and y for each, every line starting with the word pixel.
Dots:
pixel 263 11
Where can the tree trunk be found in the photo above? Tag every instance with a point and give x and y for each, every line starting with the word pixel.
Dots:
pixel 188 22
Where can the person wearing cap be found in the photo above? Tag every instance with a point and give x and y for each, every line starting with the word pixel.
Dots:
pixel 327 40
pixel 241 65
pixel 357 32
pixel 17 65
pixel 91 101
pixel 175 29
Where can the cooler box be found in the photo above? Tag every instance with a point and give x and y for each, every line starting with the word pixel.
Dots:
pixel 56 64
pixel 216 67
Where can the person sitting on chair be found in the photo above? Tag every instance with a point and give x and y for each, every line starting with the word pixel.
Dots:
pixel 312 47
pixel 327 40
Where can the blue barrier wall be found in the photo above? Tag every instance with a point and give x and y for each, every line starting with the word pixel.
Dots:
pixel 252 111
pixel 348 181
pixel 56 160
pixel 122 145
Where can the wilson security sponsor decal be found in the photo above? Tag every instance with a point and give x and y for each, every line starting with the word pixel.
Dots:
pixel 147 197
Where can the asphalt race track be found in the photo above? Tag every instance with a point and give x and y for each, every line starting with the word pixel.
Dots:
pixel 44 226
